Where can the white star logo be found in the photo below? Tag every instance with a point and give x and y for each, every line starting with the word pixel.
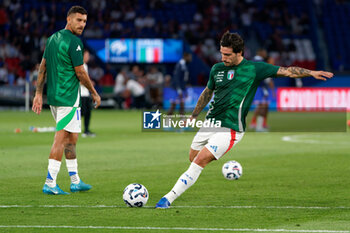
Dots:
pixel 156 115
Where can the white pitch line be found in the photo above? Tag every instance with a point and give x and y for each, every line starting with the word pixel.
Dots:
pixel 174 228
pixel 265 207
pixel 184 207
pixel 295 138
pixel 310 139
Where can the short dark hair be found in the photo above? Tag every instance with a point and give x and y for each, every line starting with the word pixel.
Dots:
pixel 77 9
pixel 232 40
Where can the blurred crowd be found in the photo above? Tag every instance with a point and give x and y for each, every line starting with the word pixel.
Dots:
pixel 139 88
pixel 280 26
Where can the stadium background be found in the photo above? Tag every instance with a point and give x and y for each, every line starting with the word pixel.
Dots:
pixel 292 181
pixel 312 34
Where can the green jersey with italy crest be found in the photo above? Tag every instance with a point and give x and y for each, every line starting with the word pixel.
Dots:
pixel 234 90
pixel 63 52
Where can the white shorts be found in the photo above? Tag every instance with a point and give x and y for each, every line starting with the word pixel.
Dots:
pixel 218 142
pixel 67 118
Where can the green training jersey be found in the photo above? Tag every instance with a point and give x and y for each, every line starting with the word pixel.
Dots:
pixel 234 90
pixel 63 52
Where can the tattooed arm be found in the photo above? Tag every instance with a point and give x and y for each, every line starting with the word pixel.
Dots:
pixel 85 80
pixel 38 99
pixel 203 100
pixel 298 72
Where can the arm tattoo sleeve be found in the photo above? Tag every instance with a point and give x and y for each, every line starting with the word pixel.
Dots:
pixel 41 78
pixel 294 72
pixel 299 72
pixel 203 100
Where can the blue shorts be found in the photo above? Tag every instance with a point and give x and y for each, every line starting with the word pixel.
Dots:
pixel 261 96
pixel 178 95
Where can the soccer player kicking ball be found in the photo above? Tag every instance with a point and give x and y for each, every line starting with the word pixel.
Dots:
pixel 234 82
pixel 62 65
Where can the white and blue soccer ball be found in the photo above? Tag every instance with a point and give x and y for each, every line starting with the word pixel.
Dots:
pixel 232 170
pixel 135 195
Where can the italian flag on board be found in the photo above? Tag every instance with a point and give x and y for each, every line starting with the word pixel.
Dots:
pixel 150 55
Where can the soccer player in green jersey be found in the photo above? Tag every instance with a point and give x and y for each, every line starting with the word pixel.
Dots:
pixel 233 82
pixel 62 66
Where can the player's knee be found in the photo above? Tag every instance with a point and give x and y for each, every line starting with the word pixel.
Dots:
pixel 204 157
pixel 201 161
pixel 72 138
pixel 192 154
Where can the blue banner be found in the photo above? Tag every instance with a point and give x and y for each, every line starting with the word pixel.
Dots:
pixel 137 50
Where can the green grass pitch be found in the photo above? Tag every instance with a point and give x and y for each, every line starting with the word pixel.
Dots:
pixel 298 185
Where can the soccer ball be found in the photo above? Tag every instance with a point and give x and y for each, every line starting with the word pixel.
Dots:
pixel 135 195
pixel 232 170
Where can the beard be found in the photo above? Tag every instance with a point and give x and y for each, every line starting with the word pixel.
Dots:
pixel 78 31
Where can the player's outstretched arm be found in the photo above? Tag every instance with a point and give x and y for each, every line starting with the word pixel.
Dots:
pixel 38 98
pixel 298 72
pixel 85 80
pixel 203 100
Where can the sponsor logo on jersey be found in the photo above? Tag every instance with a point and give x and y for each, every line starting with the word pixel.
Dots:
pixel 78 48
pixel 230 74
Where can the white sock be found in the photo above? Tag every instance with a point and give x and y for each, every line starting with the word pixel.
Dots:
pixel 72 167
pixel 186 180
pixel 259 123
pixel 53 169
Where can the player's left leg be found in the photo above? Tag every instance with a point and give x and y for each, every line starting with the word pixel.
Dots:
pixel 72 164
pixel 71 157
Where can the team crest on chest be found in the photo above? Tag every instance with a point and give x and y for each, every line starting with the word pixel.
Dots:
pixel 230 74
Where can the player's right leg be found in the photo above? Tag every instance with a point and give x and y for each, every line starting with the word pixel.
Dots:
pixel 211 146
pixel 200 156
pixel 50 186
pixel 187 179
